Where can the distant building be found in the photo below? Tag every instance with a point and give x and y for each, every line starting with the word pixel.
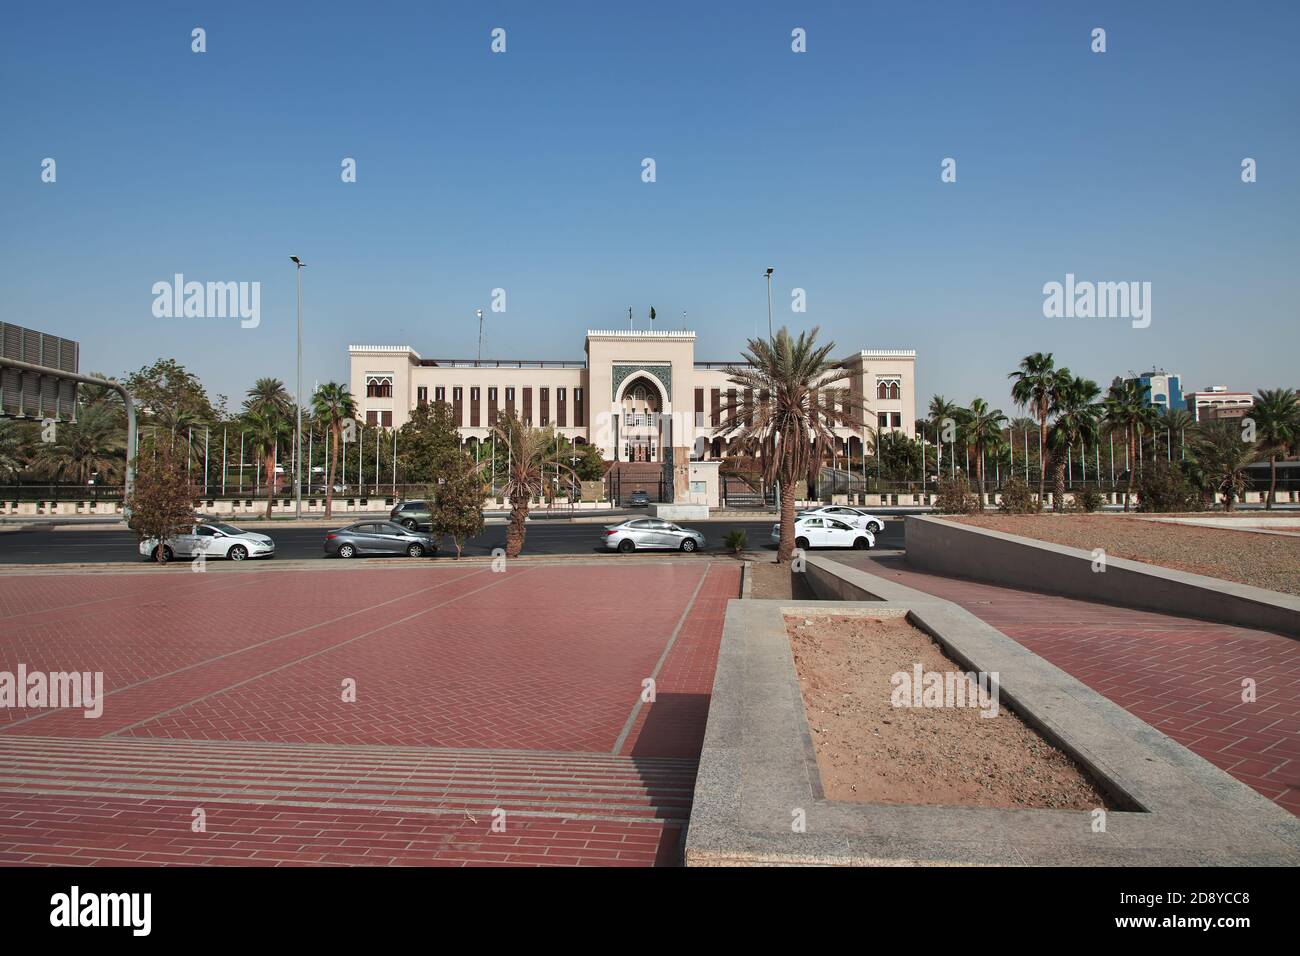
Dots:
pixel 1165 389
pixel 1215 402
pixel 636 395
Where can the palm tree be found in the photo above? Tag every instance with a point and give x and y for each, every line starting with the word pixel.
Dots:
pixel 1037 382
pixel 267 429
pixel 331 405
pixel 91 445
pixel 1175 421
pixel 1125 406
pixel 791 430
pixel 1277 426
pixel 532 456
pixel 1078 419
pixel 941 410
pixel 1223 458
pixel 983 429
pixel 11 448
pixel 269 395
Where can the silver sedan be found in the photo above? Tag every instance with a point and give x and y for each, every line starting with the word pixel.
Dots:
pixel 646 534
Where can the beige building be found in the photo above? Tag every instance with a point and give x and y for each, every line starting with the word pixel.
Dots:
pixel 636 395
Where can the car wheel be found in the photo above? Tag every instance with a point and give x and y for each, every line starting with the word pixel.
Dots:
pixel 167 554
pixel 861 544
pixel 409 524
pixel 875 527
pixel 347 551
pixel 237 553
pixel 689 545
pixel 801 543
pixel 626 546
pixel 415 551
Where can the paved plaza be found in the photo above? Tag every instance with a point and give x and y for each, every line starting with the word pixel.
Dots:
pixel 475 692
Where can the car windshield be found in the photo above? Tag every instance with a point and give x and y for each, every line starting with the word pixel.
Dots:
pixel 225 528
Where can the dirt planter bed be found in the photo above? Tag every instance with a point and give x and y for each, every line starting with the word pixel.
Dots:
pixel 760 798
pixel 873 744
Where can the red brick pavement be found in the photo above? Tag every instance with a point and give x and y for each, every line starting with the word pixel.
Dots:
pixel 1181 675
pixel 543 663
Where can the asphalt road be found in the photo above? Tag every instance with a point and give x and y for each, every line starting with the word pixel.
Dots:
pixel 45 546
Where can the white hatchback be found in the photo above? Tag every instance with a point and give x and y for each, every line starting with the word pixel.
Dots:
pixel 818 531
pixel 850 516
pixel 213 540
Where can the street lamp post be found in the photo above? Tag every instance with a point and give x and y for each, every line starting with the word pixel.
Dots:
pixel 768 273
pixel 297 401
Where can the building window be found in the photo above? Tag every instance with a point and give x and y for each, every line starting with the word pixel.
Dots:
pixel 578 419
pixel 896 419
pixel 372 418
pixel 473 394
pixel 386 419
pixel 889 388
pixel 492 394
pixel 510 394
pixel 379 386
pixel 422 396
pixel 882 420
pixel 440 394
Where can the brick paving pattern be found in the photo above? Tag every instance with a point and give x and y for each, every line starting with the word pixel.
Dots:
pixel 474 691
pixel 1181 675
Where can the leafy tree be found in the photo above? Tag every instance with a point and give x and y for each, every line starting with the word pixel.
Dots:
pixel 268 396
pixel 12 458
pixel 1018 498
pixel 791 432
pixel 1277 423
pixel 898 457
pixel 458 501
pixel 591 466
pixel 169 395
pixel 428 445
pixel 532 457
pixel 331 406
pixel 162 502
pixel 1164 486
pixel 1223 458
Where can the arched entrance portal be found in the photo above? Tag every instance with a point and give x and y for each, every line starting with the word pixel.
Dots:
pixel 641 412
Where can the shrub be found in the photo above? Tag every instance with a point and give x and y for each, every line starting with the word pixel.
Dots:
pixel 956 498
pixel 1018 498
pixel 736 541
pixel 1163 486
pixel 1088 499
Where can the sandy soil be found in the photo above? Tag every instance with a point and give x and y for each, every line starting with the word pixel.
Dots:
pixel 1264 560
pixel 772 580
pixel 871 751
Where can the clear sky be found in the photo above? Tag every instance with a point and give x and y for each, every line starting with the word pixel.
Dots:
pixel 523 171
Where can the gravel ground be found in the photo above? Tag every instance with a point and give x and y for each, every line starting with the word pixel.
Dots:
pixel 870 750
pixel 772 580
pixel 1264 560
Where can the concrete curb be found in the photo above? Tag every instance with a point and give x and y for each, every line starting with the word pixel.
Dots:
pixel 757 768
pixel 981 554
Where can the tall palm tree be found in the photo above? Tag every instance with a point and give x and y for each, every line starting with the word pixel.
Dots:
pixel 1125 407
pixel 941 410
pixel 1078 419
pixel 1277 427
pixel 790 431
pixel 532 456
pixel 93 444
pixel 983 429
pixel 1036 383
pixel 1174 422
pixel 1223 458
pixel 331 406
pixel 266 430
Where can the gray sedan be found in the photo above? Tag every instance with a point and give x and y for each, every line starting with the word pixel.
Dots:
pixel 378 537
pixel 651 534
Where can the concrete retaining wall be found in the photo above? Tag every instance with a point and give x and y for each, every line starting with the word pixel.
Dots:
pixel 948 547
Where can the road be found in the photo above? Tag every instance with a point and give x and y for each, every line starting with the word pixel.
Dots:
pixel 69 546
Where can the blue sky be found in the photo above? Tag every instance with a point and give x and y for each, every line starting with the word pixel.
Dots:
pixel 523 171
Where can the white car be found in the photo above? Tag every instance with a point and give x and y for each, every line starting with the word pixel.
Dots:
pixel 850 516
pixel 213 540
pixel 819 531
